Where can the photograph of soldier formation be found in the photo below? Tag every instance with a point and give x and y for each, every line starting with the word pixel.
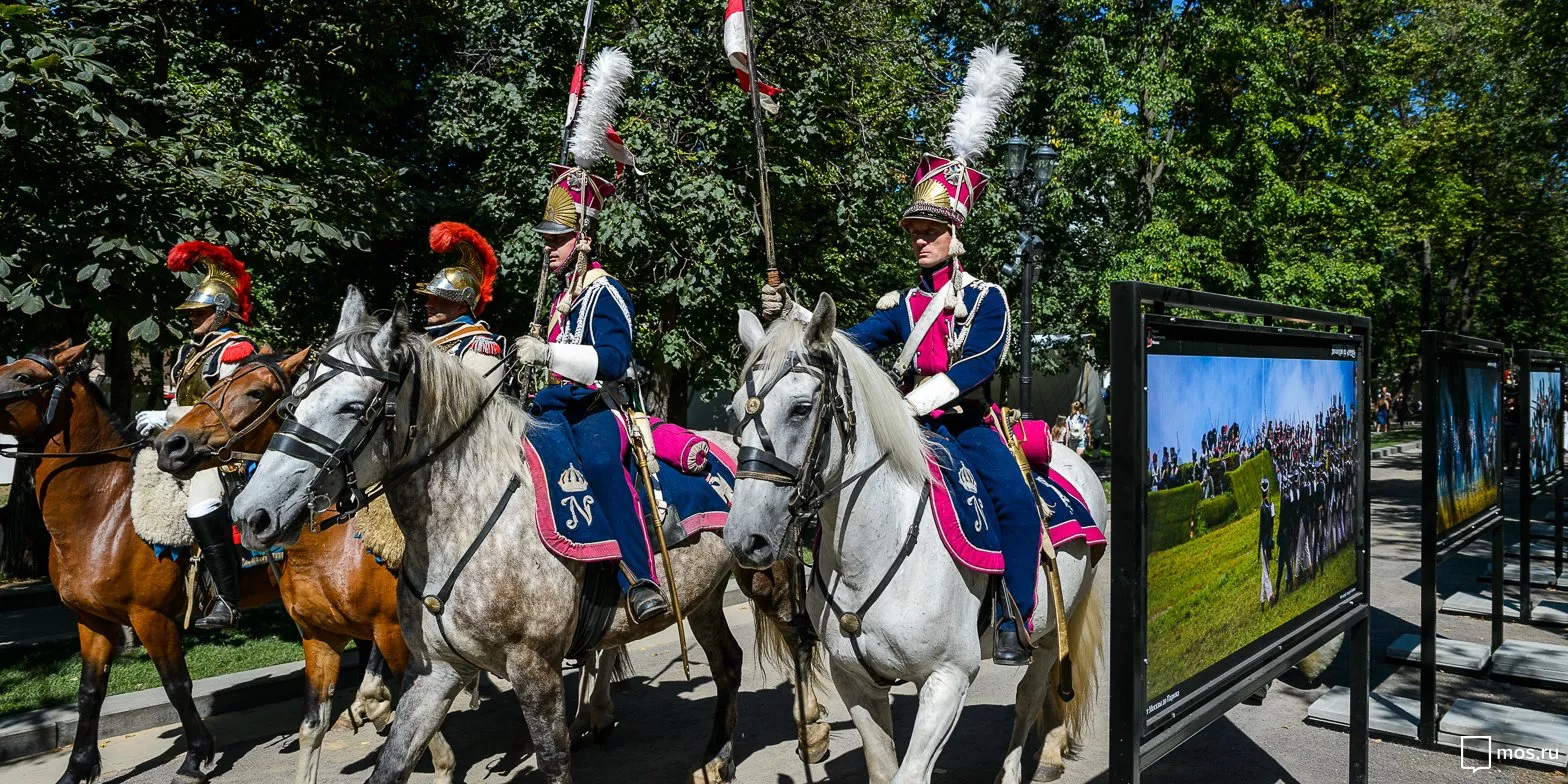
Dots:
pixel 1467 431
pixel 1249 527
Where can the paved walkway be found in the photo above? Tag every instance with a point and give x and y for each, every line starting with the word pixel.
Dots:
pixel 664 718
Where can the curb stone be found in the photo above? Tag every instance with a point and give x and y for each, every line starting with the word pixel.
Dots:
pixel 1408 446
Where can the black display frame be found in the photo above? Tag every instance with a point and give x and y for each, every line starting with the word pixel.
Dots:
pixel 1436 348
pixel 1527 361
pixel 1133 746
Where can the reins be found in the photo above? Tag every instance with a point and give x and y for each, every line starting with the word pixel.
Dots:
pixel 227 453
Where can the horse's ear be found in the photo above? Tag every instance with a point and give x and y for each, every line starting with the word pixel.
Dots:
pixel 59 347
pixel 292 364
pixel 70 355
pixel 751 331
pixel 353 313
pixel 385 341
pixel 819 331
pixel 400 319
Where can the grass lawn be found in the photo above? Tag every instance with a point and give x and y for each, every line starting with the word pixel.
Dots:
pixel 1203 600
pixel 1396 435
pixel 45 675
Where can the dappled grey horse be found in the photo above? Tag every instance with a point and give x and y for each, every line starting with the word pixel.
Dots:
pixel 480 590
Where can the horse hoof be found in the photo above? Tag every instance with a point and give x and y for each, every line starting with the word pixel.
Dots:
pixel 1049 772
pixel 189 778
pixel 601 735
pixel 715 772
pixel 813 748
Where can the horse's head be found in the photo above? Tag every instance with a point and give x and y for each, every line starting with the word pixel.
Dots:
pixel 792 414
pixel 32 388
pixel 236 415
pixel 335 438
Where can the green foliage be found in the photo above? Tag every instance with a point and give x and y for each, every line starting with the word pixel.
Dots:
pixel 1334 155
pixel 1170 515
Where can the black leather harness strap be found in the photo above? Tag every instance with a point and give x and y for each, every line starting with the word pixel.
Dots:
pixel 850 622
pixel 57 384
pixel 435 603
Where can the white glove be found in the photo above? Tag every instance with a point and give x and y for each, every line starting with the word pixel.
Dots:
pixel 533 351
pixel 774 300
pixel 151 422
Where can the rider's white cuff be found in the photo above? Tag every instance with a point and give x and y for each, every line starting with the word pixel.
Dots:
pixel 176 413
pixel 933 393
pixel 576 362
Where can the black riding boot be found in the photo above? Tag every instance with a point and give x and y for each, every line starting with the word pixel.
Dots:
pixel 1009 649
pixel 645 602
pixel 215 533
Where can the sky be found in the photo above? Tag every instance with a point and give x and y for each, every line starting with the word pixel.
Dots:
pixel 1190 395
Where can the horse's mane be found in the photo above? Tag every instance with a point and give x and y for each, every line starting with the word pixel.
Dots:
pixel 449 392
pixel 881 405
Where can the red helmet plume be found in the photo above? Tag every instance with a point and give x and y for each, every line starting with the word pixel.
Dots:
pixel 476 259
pixel 227 284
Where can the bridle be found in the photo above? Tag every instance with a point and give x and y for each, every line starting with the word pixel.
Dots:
pixel 56 384
pixel 335 457
pixel 227 453
pixel 831 405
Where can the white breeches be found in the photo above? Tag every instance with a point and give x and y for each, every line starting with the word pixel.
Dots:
pixel 206 491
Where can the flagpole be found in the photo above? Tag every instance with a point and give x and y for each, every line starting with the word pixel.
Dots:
pixel 774 277
pixel 536 326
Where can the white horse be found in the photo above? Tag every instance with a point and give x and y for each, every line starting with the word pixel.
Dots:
pixel 385 405
pixel 888 600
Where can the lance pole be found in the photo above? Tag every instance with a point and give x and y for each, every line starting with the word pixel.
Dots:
pixel 774 277
pixel 536 326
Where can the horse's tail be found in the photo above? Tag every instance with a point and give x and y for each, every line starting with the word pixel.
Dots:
pixel 623 666
pixel 775 648
pixel 1085 635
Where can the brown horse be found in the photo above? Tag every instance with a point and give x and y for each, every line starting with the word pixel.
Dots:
pixel 100 567
pixel 333 589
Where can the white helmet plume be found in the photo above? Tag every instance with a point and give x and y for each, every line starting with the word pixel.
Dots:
pixel 602 96
pixel 994 76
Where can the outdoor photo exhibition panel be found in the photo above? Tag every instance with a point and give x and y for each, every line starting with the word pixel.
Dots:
pixel 1461 488
pixel 1540 412
pixel 1239 490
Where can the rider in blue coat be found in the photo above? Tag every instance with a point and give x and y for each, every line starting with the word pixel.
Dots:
pixel 590 344
pixel 955 330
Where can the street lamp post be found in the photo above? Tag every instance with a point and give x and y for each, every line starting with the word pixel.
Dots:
pixel 1029 173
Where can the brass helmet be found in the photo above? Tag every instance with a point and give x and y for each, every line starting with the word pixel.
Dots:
pixel 226 287
pixel 470 277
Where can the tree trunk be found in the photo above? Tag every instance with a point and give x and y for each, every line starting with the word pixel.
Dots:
pixel 154 380
pixel 24 541
pixel 122 372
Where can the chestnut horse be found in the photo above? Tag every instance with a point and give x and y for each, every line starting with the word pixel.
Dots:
pixel 100 567
pixel 333 589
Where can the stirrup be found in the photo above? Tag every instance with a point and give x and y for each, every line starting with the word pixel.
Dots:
pixel 651 605
pixel 223 616
pixel 1010 650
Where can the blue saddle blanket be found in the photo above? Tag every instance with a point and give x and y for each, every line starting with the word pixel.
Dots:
pixel 569 518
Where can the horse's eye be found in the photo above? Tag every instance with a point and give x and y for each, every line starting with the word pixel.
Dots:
pixel 354 409
pixel 254 394
pixel 20 377
pixel 800 409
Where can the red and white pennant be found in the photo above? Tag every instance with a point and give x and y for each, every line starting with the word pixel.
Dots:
pixel 735 48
